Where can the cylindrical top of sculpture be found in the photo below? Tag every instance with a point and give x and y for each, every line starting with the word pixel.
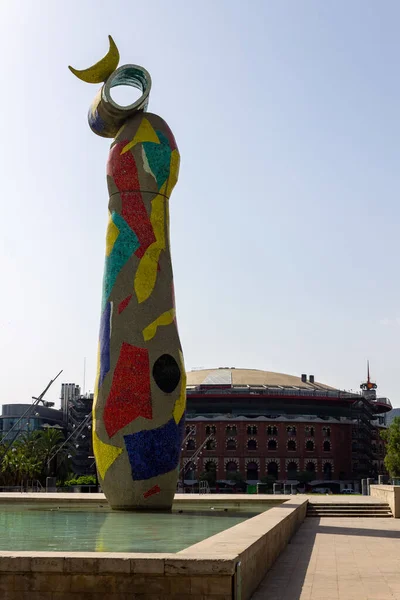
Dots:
pixel 140 391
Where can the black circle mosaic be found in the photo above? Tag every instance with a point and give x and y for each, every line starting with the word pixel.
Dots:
pixel 166 373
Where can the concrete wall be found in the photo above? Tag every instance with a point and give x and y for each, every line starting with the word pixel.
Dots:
pixel 389 494
pixel 101 576
pixel 228 565
pixel 257 543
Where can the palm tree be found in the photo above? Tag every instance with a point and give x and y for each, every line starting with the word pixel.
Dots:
pixel 49 441
pixel 34 455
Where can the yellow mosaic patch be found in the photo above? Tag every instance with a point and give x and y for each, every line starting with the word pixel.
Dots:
pixel 180 404
pixel 112 235
pixel 173 172
pixel 105 453
pixel 146 274
pixel 145 133
pixel 165 319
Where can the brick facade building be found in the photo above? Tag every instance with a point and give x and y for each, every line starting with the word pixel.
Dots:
pixel 258 423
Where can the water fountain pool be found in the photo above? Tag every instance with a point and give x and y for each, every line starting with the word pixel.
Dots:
pixel 99 529
pixel 78 527
pixel 73 546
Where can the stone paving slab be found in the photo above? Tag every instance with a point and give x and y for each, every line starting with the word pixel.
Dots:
pixel 337 559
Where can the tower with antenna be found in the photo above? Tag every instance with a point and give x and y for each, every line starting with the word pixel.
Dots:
pixel 368 387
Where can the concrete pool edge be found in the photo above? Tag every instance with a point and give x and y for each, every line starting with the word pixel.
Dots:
pixel 96 498
pixel 230 564
pixel 256 542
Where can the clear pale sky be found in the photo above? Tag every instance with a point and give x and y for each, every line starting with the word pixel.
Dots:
pixel 285 220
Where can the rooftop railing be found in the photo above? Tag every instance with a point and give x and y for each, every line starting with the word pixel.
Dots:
pixel 273 392
pixel 282 392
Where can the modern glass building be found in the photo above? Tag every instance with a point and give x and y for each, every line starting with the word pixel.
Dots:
pixel 37 417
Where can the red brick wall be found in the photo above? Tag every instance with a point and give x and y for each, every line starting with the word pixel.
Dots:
pixel 339 455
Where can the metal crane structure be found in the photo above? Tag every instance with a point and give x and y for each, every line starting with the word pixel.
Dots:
pixel 26 415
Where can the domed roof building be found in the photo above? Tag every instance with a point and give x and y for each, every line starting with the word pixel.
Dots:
pixel 260 423
pixel 251 377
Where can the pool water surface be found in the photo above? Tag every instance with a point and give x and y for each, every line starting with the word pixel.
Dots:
pixel 52 528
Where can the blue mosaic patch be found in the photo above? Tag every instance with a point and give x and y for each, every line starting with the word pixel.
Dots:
pixel 96 123
pixel 105 330
pixel 155 451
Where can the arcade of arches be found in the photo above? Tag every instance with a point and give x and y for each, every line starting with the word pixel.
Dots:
pixel 256 450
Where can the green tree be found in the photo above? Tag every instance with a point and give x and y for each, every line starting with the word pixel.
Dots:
pixel 238 479
pixel 269 480
pixel 392 438
pixel 210 475
pixel 31 456
pixel 305 476
pixel 48 443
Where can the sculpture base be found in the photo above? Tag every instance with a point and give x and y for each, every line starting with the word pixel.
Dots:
pixel 154 494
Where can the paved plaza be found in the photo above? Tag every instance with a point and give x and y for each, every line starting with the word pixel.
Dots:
pixel 337 559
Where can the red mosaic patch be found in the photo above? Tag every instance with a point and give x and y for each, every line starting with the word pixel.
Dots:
pixel 130 394
pixel 154 490
pixel 122 305
pixel 122 168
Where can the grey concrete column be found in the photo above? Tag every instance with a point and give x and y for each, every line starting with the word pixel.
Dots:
pixel 294 488
pixel 370 481
pixel 364 487
pixel 380 479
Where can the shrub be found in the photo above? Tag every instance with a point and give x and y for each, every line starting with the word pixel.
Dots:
pixel 82 480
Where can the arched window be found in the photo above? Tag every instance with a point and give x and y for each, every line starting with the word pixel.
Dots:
pixel 272 445
pixel 231 430
pixel 190 429
pixel 373 448
pixel 326 431
pixel 292 470
pixel 210 466
pixel 231 467
pixel 252 471
pixel 211 444
pixel 231 444
pixel 327 447
pixel 251 445
pixel 310 431
pixel 327 471
pixel 252 430
pixel 310 446
pixel 291 429
pixel 291 445
pixel 190 444
pixel 272 469
pixel 310 467
pixel 272 430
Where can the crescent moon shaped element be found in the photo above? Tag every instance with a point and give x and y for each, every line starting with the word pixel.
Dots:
pixel 102 69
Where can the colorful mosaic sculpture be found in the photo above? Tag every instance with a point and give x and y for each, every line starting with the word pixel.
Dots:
pixel 140 392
